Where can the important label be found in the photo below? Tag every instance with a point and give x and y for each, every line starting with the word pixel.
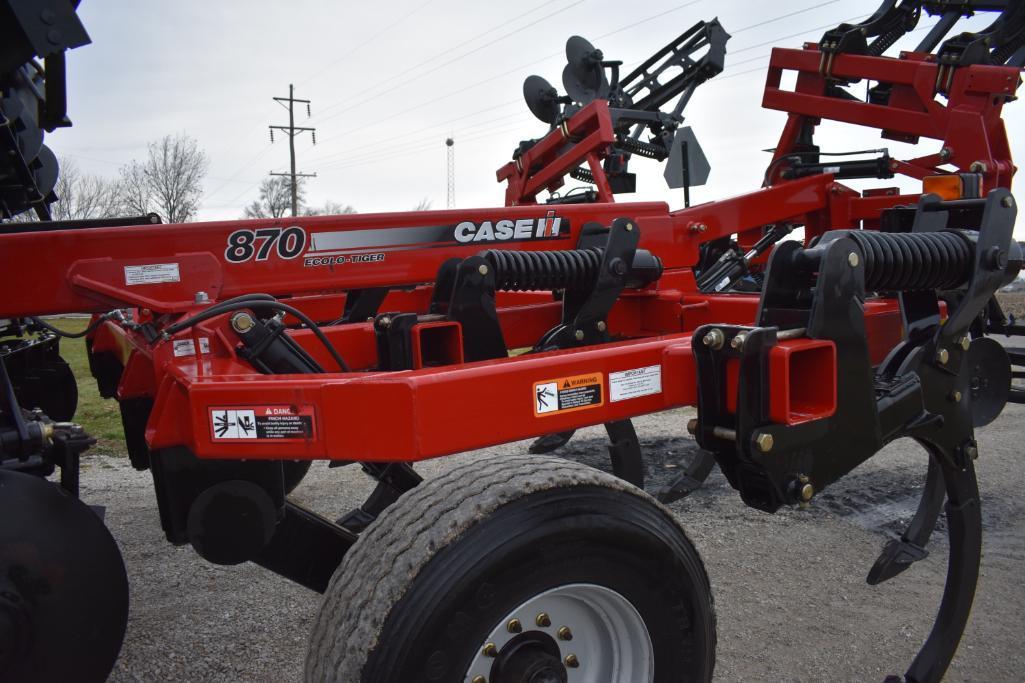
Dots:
pixel 152 274
pixel 259 423
pixel 635 383
pixel 568 393
pixel 186 347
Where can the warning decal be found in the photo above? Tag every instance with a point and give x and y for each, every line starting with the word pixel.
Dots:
pixel 259 423
pixel 635 383
pixel 568 393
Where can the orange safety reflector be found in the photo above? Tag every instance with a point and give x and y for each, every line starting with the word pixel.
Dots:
pixel 946 186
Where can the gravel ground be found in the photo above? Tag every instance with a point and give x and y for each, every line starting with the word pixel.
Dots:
pixel 790 592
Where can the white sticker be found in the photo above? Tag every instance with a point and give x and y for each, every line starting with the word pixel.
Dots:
pixel 635 383
pixel 152 274
pixel 185 347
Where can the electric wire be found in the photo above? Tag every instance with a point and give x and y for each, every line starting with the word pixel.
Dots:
pixel 92 327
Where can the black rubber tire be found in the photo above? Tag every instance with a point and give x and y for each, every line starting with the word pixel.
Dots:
pixel 430 578
pixel 294 471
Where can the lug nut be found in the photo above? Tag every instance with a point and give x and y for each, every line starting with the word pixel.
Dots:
pixel 514 626
pixel 853 259
pixel 565 634
pixel 807 492
pixel 692 425
pixel 714 339
pixel 942 356
pixel 490 650
pixel 572 661
pixel 765 442
pixel 542 620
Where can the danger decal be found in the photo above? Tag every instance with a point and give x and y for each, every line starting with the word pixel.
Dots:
pixel 565 394
pixel 262 423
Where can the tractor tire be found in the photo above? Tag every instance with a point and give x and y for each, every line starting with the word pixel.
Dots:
pixel 520 568
pixel 294 473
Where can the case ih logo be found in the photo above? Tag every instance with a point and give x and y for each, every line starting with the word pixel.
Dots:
pixel 509 230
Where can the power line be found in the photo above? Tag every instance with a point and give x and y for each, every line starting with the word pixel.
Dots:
pixel 293 130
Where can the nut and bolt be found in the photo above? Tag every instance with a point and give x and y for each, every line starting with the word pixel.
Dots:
pixel 1007 202
pixel 692 425
pixel 966 343
pixel 384 322
pixel 807 492
pixel 942 356
pixel 543 620
pixel 201 297
pixel 579 335
pixel 490 650
pixel 946 153
pixel 564 633
pixel 955 396
pixel 853 259
pixel 572 661
pixel 978 167
pixel 618 266
pixel 479 679
pixel 738 342
pixel 714 339
pixel 601 326
pixel 698 227
pixel 765 442
pixel 514 626
pixel 972 451
pixel 629 227
pixel 482 269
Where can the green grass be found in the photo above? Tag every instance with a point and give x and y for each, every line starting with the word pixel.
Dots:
pixel 100 417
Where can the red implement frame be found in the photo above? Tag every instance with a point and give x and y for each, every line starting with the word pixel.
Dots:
pixel 312 262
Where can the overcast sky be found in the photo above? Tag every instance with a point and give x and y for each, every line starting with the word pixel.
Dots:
pixel 390 81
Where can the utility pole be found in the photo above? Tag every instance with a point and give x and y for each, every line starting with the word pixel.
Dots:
pixel 451 144
pixel 292 131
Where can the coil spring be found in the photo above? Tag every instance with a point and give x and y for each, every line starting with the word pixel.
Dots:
pixel 914 261
pixel 520 271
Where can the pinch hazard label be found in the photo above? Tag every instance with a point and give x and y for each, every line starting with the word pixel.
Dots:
pixel 262 423
pixel 564 394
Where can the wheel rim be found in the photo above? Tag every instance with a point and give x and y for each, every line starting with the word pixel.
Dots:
pixel 595 633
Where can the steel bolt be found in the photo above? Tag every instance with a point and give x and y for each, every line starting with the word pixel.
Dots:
pixel 955 396
pixel 698 227
pixel 384 322
pixel 1007 202
pixel 946 153
pixel 201 297
pixel 972 452
pixel 572 661
pixel 565 634
pixel 514 626
pixel 738 342
pixel 579 335
pixel 966 343
pixel 543 620
pixel 479 679
pixel 629 227
pixel 714 339
pixel 942 356
pixel 765 442
pixel 601 326
pixel 978 167
pixel 490 650
pixel 853 259
pixel 483 269
pixel 692 425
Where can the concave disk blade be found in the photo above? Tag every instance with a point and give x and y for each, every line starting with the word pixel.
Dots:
pixel 584 78
pixel 542 98
pixel 63 587
pixel 990 371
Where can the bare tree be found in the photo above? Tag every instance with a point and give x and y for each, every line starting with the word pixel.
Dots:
pixel 80 196
pixel 424 205
pixel 275 198
pixel 330 208
pixel 169 181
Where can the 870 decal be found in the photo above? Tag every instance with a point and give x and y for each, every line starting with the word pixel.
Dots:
pixel 243 245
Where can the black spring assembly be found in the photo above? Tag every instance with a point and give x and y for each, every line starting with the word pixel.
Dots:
pixel 572 269
pixel 908 262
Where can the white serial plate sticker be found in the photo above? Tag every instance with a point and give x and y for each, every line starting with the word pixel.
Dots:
pixel 152 274
pixel 186 347
pixel 635 383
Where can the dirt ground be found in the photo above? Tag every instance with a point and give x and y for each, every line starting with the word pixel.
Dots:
pixel 789 588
